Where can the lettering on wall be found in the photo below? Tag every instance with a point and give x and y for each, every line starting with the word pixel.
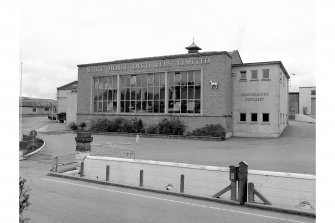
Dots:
pixel 254 96
pixel 150 65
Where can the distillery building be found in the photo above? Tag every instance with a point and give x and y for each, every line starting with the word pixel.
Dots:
pixel 248 99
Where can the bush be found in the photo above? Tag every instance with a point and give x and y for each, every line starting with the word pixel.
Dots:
pixel 210 130
pixel 23 199
pixel 82 125
pixel 171 127
pixel 73 126
pixel 152 129
pixel 133 125
pixel 101 125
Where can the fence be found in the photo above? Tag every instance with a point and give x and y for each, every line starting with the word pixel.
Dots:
pixel 64 163
pixel 280 189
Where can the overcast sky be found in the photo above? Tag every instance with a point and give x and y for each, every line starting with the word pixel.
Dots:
pixel 56 36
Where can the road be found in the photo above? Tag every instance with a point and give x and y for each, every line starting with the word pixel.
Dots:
pixel 61 200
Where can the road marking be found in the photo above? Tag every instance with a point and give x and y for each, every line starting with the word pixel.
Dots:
pixel 174 201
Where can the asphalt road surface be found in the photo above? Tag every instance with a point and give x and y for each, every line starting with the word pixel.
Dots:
pixel 61 200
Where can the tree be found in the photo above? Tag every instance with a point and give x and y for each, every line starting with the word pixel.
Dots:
pixel 23 200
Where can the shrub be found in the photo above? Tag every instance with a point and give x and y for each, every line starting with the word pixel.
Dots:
pixel 82 125
pixel 210 130
pixel 23 199
pixel 73 126
pixel 152 129
pixel 171 127
pixel 100 125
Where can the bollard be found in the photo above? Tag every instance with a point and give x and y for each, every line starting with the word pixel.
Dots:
pixel 233 191
pixel 141 178
pixel 107 173
pixel 56 165
pixel 243 182
pixel 251 192
pixel 81 169
pixel 182 179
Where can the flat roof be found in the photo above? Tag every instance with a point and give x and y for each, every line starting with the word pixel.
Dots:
pixel 158 58
pixel 308 87
pixel 69 86
pixel 265 63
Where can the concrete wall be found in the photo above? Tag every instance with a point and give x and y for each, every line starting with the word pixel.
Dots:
pixel 267 102
pixel 39 111
pixel 71 108
pixel 293 105
pixel 282 189
pixel 216 104
pixel 283 100
pixel 305 99
pixel 62 100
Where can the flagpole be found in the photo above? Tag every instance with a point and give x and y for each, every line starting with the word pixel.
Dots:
pixel 21 136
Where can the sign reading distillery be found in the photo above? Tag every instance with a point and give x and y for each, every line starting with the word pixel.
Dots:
pixel 254 96
pixel 150 64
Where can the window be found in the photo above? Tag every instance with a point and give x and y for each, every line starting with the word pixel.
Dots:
pixel 266 73
pixel 281 118
pixel 243 117
pixel 243 75
pixel 184 89
pixel 254 117
pixel 142 93
pixel 254 75
pixel 266 117
pixel 46 109
pixel 280 77
pixel 34 109
pixel 105 94
pixel 313 92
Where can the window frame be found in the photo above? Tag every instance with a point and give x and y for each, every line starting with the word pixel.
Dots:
pixel 268 121
pixel 252 75
pixel 263 72
pixel 245 117
pixel 251 116
pixel 243 72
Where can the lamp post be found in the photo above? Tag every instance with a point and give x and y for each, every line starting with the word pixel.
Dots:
pixel 21 136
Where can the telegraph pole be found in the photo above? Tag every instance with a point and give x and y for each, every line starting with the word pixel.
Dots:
pixel 21 135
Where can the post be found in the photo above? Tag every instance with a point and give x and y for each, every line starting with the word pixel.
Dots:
pixel 243 182
pixel 107 173
pixel 141 178
pixel 251 192
pixel 81 169
pixel 182 179
pixel 233 191
pixel 56 164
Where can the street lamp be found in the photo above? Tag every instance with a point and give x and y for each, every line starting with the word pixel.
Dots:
pixel 21 136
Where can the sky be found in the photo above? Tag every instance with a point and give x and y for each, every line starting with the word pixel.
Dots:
pixel 56 36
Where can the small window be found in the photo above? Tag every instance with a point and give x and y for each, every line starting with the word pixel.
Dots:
pixel 313 92
pixel 254 117
pixel 46 109
pixel 34 109
pixel 266 117
pixel 243 117
pixel 254 75
pixel 266 73
pixel 243 75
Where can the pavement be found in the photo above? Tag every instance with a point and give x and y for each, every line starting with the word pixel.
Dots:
pixel 62 200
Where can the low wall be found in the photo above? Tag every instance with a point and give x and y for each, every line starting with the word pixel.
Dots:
pixel 281 189
pixel 304 118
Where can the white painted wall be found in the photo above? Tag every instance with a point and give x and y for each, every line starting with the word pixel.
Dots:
pixel 305 99
pixel 71 108
pixel 282 189
pixel 270 103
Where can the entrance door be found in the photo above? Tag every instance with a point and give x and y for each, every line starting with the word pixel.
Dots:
pixel 313 106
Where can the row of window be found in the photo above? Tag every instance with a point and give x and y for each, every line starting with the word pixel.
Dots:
pixel 283 118
pixel 254 117
pixel 145 93
pixel 282 79
pixel 254 74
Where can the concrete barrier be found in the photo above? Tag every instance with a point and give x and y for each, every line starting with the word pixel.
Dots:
pixel 304 118
pixel 282 189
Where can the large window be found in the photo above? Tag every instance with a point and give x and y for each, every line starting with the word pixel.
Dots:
pixel 105 94
pixel 243 117
pixel 266 73
pixel 254 117
pixel 184 92
pixel 254 74
pixel 243 75
pixel 142 93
